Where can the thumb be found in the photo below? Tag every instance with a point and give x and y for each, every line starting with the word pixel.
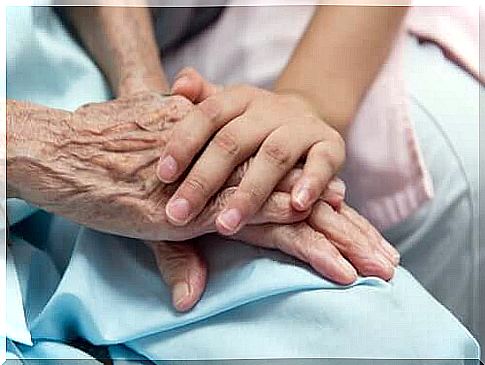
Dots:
pixel 190 84
pixel 183 269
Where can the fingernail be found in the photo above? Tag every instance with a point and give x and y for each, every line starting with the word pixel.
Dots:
pixel 302 197
pixel 396 257
pixel 180 82
pixel 337 186
pixel 180 293
pixel 230 219
pixel 167 168
pixel 178 210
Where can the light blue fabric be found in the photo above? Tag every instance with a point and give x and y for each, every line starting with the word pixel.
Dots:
pixel 16 326
pixel 78 283
pixel 439 244
pixel 45 65
pixel 111 293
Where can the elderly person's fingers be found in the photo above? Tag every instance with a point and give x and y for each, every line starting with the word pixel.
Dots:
pixel 334 193
pixel 276 209
pixel 363 250
pixel 183 269
pixel 193 86
pixel 303 242
pixel 367 228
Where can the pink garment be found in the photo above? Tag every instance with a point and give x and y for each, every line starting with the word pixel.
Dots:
pixel 453 28
pixel 386 178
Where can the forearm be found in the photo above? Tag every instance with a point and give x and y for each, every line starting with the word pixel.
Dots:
pixel 34 134
pixel 122 42
pixel 339 56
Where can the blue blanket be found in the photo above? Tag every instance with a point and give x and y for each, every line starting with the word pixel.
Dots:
pixel 88 294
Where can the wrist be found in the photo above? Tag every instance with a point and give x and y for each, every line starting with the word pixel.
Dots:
pixel 339 121
pixel 139 79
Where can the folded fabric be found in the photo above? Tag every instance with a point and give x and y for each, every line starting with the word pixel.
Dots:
pixel 455 29
pixel 45 65
pixel 110 293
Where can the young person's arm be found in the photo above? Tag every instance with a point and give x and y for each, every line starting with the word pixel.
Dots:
pixel 339 56
pixel 306 116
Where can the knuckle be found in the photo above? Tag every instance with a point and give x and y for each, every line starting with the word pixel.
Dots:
pixel 313 121
pixel 196 183
pixel 277 154
pixel 370 234
pixel 278 206
pixel 255 194
pixel 369 267
pixel 244 88
pixel 187 70
pixel 339 142
pixel 333 158
pixel 211 108
pixel 227 142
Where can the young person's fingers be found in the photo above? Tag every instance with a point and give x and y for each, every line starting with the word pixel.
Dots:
pixel 190 84
pixel 301 241
pixel 231 146
pixel 323 161
pixel 192 133
pixel 334 193
pixel 277 155
pixel 183 269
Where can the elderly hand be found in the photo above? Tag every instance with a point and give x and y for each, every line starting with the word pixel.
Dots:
pixel 229 125
pixel 337 244
pixel 97 165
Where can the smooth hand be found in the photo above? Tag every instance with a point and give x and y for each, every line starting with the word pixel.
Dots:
pixel 226 128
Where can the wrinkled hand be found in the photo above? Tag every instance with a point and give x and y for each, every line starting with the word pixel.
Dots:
pixel 96 166
pixel 229 125
pixel 337 244
pixel 324 241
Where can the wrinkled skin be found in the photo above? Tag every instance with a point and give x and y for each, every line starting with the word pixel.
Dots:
pixel 96 166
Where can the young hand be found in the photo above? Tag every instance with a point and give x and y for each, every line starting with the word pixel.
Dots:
pixel 226 128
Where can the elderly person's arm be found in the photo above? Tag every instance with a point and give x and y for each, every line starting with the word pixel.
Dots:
pixel 122 42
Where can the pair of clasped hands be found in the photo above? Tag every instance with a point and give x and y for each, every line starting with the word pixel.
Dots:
pixel 276 161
